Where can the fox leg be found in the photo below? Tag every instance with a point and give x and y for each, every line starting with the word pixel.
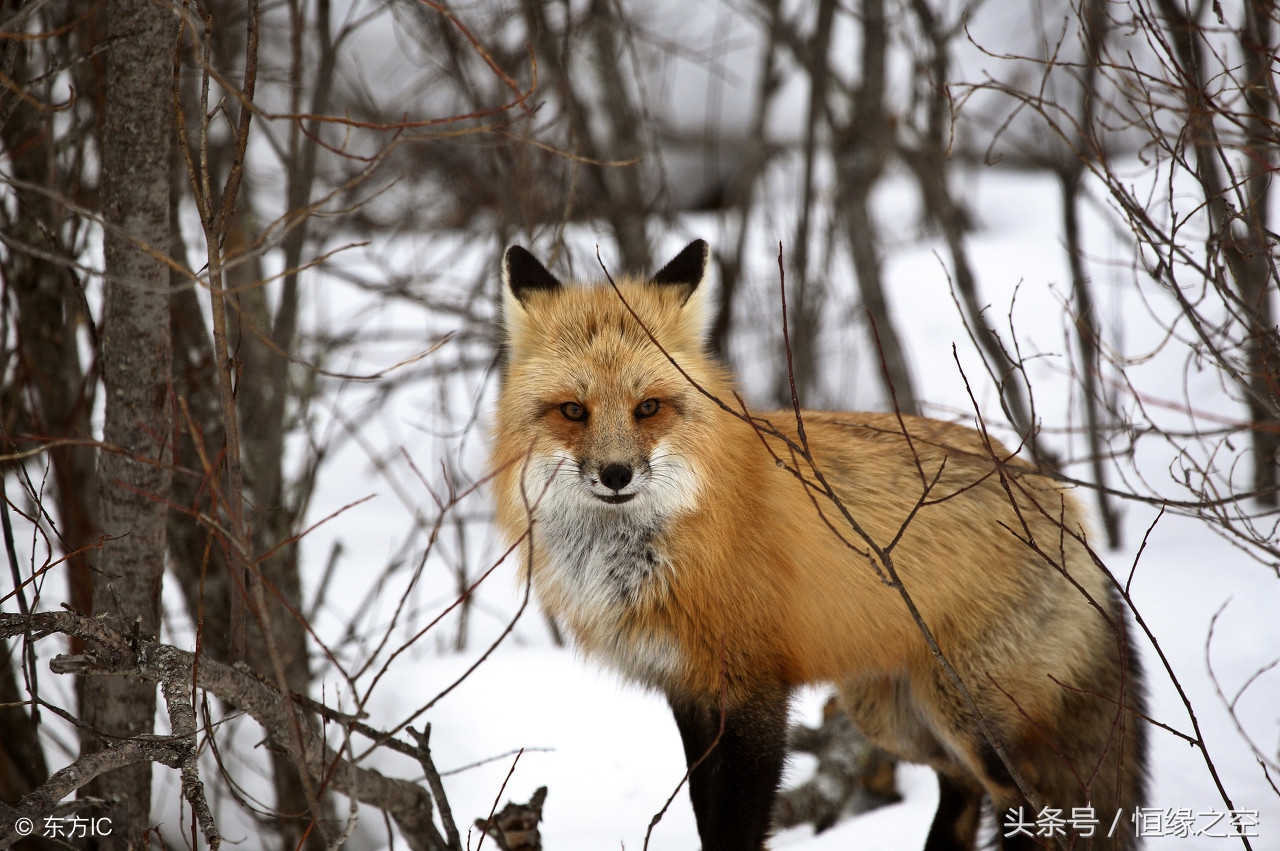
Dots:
pixel 735 768
pixel 955 827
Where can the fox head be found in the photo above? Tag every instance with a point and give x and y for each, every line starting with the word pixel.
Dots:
pixel 594 417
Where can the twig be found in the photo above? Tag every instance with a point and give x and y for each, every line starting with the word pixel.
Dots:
pixel 423 753
pixel 521 97
pixel 28 645
pixel 1230 705
pixel 498 797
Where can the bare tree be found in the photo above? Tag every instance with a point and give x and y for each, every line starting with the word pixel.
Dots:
pixel 926 148
pixel 133 471
pixel 264 624
pixel 864 142
pixel 41 277
pixel 806 296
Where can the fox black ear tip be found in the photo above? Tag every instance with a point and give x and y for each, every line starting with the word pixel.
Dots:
pixel 686 268
pixel 514 254
pixel 523 272
pixel 699 248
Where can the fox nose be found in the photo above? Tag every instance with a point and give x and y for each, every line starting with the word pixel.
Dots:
pixel 615 476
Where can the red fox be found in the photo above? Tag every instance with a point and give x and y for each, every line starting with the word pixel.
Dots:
pixel 726 559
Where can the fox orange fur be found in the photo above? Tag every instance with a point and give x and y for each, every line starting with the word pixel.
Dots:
pixel 698 552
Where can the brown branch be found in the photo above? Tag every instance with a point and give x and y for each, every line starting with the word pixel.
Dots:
pixel 483 824
pixel 417 123
pixel 1230 704
pixel 484 54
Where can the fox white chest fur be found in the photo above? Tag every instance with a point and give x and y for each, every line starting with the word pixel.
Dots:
pixel 600 560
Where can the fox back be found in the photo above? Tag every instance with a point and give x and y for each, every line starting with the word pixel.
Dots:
pixel 724 559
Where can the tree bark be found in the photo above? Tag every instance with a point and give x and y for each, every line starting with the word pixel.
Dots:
pixel 134 468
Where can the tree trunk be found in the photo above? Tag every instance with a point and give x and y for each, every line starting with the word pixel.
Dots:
pixel 627 206
pixel 1089 341
pixel 741 195
pixel 134 471
pixel 804 292
pixel 864 145
pixel 1255 266
pixel 1088 335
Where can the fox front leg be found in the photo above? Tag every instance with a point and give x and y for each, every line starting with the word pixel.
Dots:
pixel 736 756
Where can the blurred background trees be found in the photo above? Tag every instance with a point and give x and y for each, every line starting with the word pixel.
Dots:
pixel 308 200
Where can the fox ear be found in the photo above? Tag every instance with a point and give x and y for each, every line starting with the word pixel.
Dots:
pixel 522 274
pixel 687 269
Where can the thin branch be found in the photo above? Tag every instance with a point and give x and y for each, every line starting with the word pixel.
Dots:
pixel 423 752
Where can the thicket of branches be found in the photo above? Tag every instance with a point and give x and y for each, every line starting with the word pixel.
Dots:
pixel 181 183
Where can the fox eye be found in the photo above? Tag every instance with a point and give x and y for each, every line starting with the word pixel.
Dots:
pixel 647 408
pixel 573 411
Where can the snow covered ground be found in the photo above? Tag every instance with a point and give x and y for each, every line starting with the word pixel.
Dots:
pixel 609 752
